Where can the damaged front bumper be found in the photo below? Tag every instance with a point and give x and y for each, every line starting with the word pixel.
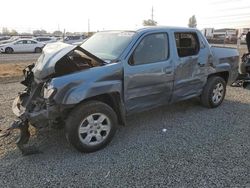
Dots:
pixel 38 118
pixel 29 114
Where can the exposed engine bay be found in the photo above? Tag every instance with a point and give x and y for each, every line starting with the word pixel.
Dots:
pixel 34 104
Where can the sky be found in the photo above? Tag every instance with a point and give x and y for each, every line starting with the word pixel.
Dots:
pixel 73 15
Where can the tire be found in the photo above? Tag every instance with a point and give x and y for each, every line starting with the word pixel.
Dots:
pixel 214 92
pixel 9 50
pixel 38 50
pixel 83 130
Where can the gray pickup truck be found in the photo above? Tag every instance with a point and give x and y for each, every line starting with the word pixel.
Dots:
pixel 90 89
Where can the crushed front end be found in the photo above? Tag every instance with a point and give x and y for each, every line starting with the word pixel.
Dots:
pixel 34 106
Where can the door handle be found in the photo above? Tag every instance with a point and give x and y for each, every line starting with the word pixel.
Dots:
pixel 168 71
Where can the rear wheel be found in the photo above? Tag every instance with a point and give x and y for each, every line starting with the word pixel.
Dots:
pixel 91 126
pixel 9 50
pixel 214 92
pixel 38 50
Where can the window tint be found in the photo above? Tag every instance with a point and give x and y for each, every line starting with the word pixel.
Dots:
pixel 76 37
pixel 30 42
pixel 187 44
pixel 45 39
pixel 19 42
pixel 153 48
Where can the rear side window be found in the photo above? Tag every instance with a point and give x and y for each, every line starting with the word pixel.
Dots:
pixel 44 39
pixel 31 42
pixel 187 44
pixel 153 48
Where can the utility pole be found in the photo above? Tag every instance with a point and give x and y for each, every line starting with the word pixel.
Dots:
pixel 63 34
pixel 152 14
pixel 88 26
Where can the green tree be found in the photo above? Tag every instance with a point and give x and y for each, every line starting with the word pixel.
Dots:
pixel 5 31
pixel 192 22
pixel 57 33
pixel 13 32
pixel 39 32
pixel 149 22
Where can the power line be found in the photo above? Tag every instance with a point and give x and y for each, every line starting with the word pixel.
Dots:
pixel 226 16
pixel 234 8
pixel 222 2
pixel 228 22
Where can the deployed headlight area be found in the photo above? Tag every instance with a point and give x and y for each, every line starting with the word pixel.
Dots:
pixel 76 60
pixel 48 91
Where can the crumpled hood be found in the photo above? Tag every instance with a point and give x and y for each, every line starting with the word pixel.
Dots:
pixel 52 53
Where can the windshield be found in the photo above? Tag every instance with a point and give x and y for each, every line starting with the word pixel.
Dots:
pixel 108 45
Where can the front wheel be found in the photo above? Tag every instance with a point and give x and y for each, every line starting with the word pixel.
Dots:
pixel 214 92
pixel 38 50
pixel 9 50
pixel 91 126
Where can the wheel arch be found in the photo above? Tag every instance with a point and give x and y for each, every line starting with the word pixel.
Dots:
pixel 223 74
pixel 114 100
pixel 8 47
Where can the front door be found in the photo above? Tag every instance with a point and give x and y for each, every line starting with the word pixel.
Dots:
pixel 19 46
pixel 148 75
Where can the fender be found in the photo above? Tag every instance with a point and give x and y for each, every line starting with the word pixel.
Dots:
pixel 84 91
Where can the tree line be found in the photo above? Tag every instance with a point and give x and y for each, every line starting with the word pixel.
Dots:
pixel 12 32
pixel 192 22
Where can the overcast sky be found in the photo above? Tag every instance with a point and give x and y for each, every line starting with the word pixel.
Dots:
pixel 73 15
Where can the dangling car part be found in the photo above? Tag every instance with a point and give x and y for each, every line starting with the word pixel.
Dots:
pixel 243 79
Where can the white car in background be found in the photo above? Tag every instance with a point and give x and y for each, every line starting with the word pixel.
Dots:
pixel 46 40
pixel 74 39
pixel 22 45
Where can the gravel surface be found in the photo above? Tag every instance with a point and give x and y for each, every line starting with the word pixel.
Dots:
pixel 182 145
pixel 15 58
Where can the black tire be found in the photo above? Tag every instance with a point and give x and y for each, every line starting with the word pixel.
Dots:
pixel 77 118
pixel 211 86
pixel 9 50
pixel 38 50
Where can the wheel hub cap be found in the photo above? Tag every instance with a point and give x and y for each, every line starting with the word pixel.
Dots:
pixel 94 129
pixel 218 92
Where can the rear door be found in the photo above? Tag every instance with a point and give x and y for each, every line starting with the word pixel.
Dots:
pixel 148 74
pixel 31 45
pixel 190 73
pixel 19 46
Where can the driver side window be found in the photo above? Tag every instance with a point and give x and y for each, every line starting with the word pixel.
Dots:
pixel 153 48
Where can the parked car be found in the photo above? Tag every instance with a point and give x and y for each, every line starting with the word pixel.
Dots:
pixel 45 40
pixel 22 45
pixel 92 88
pixel 74 39
pixel 4 38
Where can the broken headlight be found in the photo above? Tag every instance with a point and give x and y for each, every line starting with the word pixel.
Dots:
pixel 48 91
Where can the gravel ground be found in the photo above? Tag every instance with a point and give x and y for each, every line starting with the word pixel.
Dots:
pixel 200 148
